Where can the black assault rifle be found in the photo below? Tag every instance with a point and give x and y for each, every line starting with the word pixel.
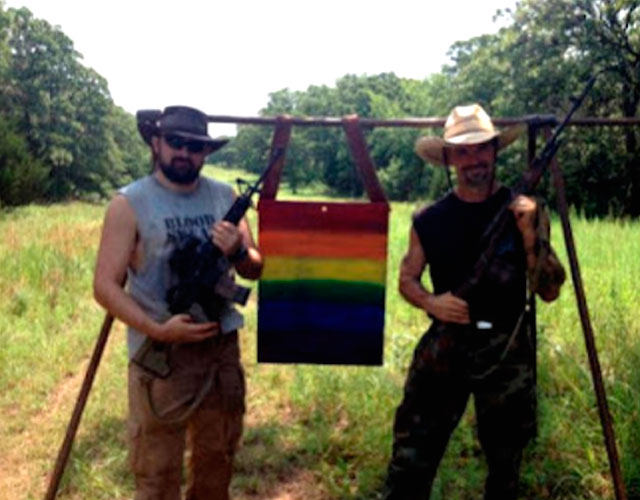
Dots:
pixel 201 283
pixel 530 179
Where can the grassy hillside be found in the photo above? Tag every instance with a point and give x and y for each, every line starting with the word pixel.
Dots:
pixel 312 432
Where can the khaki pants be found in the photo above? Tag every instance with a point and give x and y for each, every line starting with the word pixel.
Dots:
pixel 212 432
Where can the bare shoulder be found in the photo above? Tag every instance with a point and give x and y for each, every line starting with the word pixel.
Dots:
pixel 117 243
pixel 120 206
pixel 120 213
pixel 120 227
pixel 415 260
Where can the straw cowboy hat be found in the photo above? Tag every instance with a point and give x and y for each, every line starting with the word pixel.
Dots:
pixel 465 125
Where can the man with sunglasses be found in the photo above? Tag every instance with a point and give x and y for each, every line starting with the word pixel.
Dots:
pixel 201 401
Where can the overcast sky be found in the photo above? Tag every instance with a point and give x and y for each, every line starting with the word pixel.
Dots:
pixel 224 57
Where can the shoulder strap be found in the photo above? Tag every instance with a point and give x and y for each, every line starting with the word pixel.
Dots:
pixel 281 136
pixel 362 159
pixel 357 147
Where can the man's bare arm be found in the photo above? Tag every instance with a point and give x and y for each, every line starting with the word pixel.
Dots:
pixel 446 307
pixel 230 239
pixel 546 274
pixel 117 246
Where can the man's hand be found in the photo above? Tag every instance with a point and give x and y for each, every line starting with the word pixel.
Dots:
pixel 545 271
pixel 181 329
pixel 446 307
pixel 449 308
pixel 226 236
pixel 524 211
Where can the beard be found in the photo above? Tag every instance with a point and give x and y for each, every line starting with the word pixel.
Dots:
pixel 477 176
pixel 180 170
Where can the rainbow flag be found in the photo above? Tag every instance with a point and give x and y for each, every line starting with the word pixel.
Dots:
pixel 322 292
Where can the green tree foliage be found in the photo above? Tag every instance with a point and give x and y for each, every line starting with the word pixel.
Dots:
pixel 321 155
pixel 59 118
pixel 542 58
pixel 129 156
pixel 595 35
pixel 63 114
pixel 532 66
pixel 19 172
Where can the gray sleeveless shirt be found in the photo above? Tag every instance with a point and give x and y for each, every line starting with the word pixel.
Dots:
pixel 165 217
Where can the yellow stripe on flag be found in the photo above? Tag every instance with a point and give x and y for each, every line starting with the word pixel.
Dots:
pixel 292 268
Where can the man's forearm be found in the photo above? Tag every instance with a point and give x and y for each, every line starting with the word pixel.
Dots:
pixel 545 272
pixel 250 266
pixel 547 275
pixel 414 293
pixel 120 305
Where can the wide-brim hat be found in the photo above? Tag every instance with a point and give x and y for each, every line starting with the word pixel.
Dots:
pixel 465 125
pixel 182 121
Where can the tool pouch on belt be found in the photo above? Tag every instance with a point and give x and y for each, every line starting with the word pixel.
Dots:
pixel 154 358
pixel 207 375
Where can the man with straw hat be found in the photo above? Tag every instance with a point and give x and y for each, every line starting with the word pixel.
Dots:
pixel 478 345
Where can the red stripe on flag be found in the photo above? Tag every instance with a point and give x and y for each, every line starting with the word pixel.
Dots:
pixel 356 218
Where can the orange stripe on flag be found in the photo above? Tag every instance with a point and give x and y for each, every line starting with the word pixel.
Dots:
pixel 319 244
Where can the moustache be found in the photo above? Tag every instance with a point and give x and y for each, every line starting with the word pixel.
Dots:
pixel 181 163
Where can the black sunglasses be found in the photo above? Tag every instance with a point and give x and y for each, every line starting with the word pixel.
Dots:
pixel 176 142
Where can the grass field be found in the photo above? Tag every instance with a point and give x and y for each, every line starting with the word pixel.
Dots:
pixel 312 432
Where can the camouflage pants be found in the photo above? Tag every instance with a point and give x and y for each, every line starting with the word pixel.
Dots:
pixel 211 433
pixel 450 363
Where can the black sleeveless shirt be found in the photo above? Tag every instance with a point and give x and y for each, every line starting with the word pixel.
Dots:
pixel 450 232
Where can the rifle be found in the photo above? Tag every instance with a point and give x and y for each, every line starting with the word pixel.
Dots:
pixel 527 184
pixel 202 285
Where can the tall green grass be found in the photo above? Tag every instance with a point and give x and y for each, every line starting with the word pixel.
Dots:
pixel 327 426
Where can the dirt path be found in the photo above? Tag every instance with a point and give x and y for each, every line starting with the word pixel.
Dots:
pixel 301 486
pixel 28 457
pixel 24 457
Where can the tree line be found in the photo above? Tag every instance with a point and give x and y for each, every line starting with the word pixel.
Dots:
pixel 543 56
pixel 61 135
